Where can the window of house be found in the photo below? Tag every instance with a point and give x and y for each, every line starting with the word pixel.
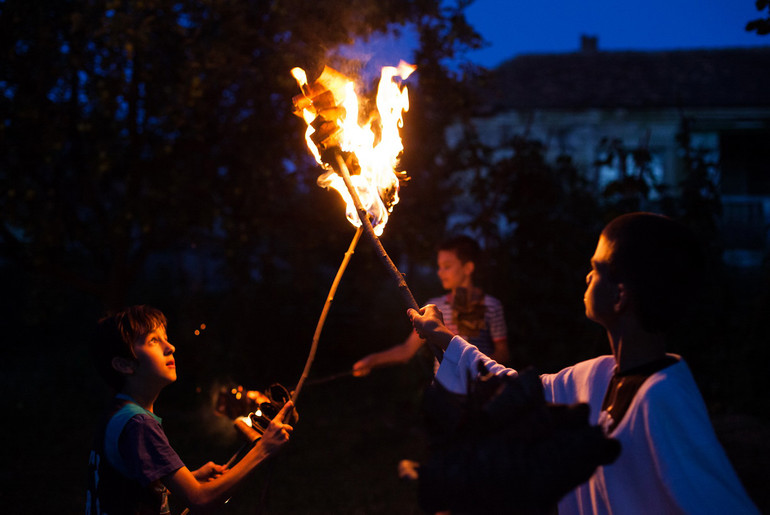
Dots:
pixel 744 161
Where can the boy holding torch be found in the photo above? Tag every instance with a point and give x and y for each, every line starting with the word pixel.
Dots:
pixel 132 466
pixel 644 273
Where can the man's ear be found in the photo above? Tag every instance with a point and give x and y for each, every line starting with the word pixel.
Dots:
pixel 469 267
pixel 123 365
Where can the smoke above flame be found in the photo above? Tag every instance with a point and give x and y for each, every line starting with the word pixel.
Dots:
pixel 369 141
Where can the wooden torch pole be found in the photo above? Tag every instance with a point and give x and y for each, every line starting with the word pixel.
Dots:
pixel 324 312
pixel 403 288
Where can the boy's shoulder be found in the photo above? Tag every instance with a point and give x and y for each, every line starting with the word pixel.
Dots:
pixel 124 412
pixel 491 301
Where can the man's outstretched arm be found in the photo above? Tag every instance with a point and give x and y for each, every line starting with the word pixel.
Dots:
pixel 461 360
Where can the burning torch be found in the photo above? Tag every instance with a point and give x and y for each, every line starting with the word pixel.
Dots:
pixel 359 160
pixel 360 163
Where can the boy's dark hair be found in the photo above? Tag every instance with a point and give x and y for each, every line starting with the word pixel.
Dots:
pixel 466 248
pixel 660 261
pixel 116 335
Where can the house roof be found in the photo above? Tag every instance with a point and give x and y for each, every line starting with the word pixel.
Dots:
pixel 730 77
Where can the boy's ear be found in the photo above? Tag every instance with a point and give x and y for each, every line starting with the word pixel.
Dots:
pixel 622 298
pixel 123 365
pixel 469 267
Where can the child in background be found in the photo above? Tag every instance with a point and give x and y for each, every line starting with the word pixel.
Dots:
pixel 476 316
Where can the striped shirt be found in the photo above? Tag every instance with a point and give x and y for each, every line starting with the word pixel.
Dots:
pixel 494 322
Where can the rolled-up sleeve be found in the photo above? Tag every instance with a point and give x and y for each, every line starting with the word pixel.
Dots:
pixel 461 362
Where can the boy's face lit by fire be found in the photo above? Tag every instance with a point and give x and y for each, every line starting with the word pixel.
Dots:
pixel 155 358
pixel 452 272
pixel 601 292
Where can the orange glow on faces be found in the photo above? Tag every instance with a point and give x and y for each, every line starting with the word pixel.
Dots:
pixel 452 272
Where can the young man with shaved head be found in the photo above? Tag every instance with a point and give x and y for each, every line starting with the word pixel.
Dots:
pixel 644 274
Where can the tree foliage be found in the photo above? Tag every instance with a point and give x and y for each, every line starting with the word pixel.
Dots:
pixel 539 221
pixel 137 128
pixel 150 155
pixel 761 25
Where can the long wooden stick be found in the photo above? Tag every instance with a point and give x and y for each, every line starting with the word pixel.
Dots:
pixel 308 363
pixel 403 288
pixel 324 312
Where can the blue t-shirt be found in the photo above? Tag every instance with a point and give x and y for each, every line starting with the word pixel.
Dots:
pixel 130 456
pixel 145 450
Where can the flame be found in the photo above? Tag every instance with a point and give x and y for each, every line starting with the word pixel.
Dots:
pixel 330 107
pixel 245 420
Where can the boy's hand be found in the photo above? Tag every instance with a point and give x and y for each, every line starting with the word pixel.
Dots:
pixel 363 366
pixel 429 324
pixel 277 433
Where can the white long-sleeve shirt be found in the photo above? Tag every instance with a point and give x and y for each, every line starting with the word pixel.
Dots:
pixel 671 460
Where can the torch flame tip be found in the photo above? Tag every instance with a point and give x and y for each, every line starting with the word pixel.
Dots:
pixel 370 151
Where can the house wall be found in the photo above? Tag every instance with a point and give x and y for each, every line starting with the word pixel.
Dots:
pixel 578 133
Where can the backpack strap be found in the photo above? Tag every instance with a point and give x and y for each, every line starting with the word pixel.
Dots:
pixel 115 427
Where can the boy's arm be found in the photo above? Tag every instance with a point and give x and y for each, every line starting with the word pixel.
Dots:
pixel 461 359
pixel 208 471
pixel 195 494
pixel 429 324
pixel 397 354
pixel 462 362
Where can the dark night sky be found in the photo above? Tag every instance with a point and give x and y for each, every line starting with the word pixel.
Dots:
pixel 513 27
